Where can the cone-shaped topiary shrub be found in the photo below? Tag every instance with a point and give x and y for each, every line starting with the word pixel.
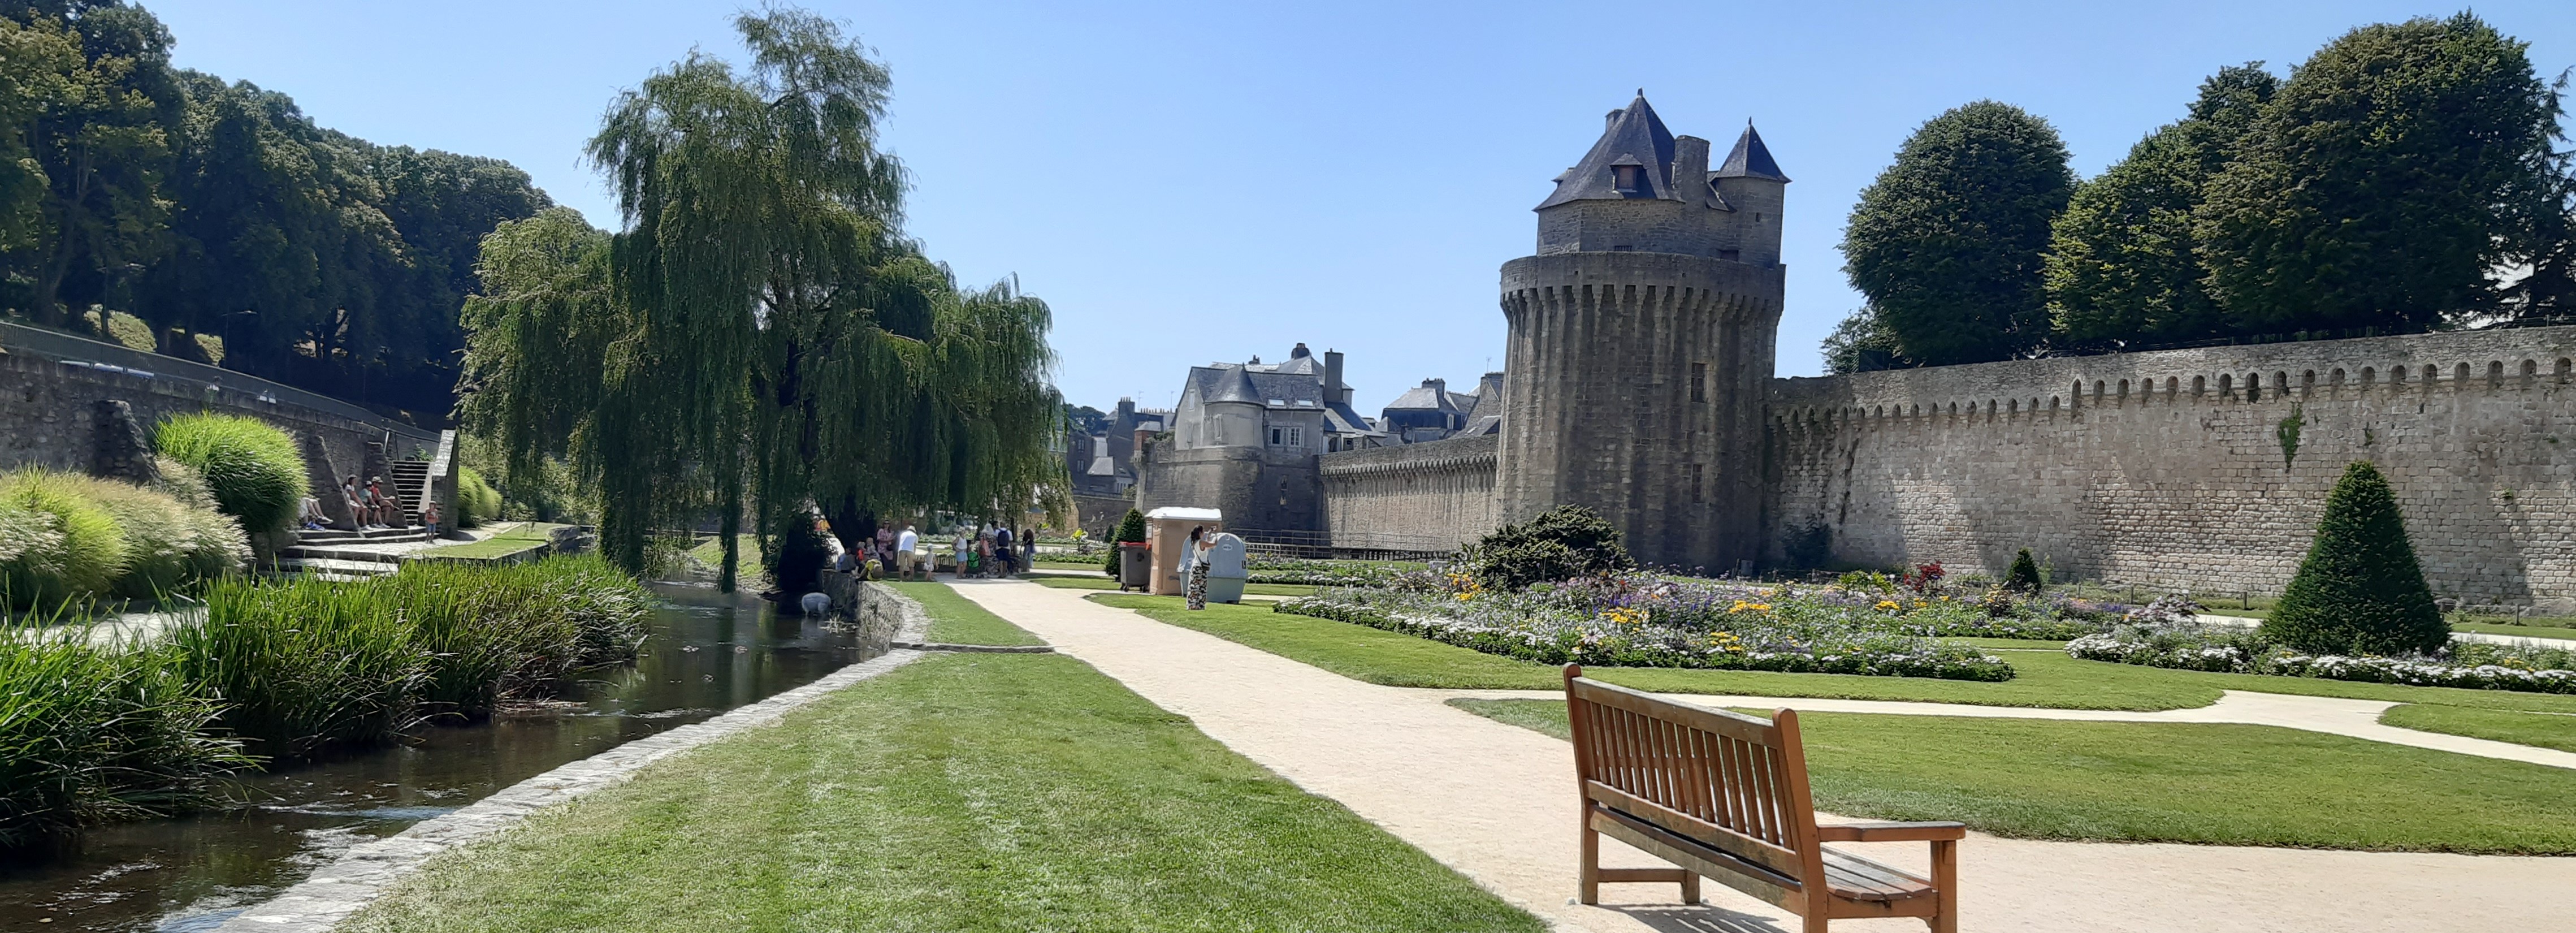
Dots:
pixel 254 469
pixel 2024 576
pixel 1562 543
pixel 1131 528
pixel 2360 590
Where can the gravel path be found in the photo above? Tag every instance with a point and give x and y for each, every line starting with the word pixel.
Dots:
pixel 1496 802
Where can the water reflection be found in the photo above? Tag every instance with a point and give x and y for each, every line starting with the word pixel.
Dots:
pixel 707 653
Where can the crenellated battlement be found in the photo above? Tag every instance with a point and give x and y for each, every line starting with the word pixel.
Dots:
pixel 2199 469
pixel 2487 360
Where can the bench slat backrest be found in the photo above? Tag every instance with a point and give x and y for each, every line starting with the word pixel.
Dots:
pixel 1733 782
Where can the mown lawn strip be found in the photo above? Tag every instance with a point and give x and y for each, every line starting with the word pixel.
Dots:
pixel 956 620
pixel 2165 782
pixel 2543 729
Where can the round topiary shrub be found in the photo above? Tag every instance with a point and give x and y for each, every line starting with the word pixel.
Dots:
pixel 253 469
pixel 2360 590
pixel 1562 543
pixel 55 545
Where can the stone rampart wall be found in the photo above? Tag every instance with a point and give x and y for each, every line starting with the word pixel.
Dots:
pixel 2201 469
pixel 45 407
pixel 1417 497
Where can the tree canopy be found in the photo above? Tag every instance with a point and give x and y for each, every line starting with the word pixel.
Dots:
pixel 219 209
pixel 1947 242
pixel 2391 174
pixel 760 336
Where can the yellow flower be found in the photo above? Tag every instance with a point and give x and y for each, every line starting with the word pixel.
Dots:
pixel 1889 604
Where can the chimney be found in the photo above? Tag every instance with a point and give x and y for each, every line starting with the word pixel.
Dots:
pixel 1610 119
pixel 1334 392
pixel 1299 352
pixel 1690 168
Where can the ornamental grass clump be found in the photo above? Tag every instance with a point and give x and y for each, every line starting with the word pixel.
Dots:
pixel 495 634
pixel 2360 591
pixel 91 734
pixel 253 469
pixel 59 547
pixel 305 664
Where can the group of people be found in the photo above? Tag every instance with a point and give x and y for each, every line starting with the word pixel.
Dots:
pixel 979 552
pixel 370 504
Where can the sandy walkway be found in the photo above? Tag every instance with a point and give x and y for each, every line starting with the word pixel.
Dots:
pixel 1497 803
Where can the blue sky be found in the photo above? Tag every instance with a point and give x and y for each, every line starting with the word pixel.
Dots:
pixel 1188 182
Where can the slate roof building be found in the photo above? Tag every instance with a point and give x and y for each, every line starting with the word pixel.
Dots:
pixel 1244 438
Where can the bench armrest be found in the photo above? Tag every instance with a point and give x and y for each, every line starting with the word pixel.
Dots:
pixel 1892 832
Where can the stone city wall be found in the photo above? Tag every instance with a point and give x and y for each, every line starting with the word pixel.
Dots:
pixel 46 410
pixel 2201 469
pixel 1418 497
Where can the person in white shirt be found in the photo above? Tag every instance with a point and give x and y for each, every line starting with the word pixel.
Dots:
pixel 904 558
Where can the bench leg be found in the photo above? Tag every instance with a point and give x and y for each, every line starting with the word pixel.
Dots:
pixel 1945 879
pixel 1591 872
pixel 1690 886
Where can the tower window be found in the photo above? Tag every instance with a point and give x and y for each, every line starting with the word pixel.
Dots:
pixel 1699 473
pixel 1730 255
pixel 1699 382
pixel 1628 177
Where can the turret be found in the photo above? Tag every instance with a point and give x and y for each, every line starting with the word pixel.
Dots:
pixel 1641 344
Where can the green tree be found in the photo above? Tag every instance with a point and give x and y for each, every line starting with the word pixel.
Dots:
pixel 1947 243
pixel 1862 343
pixel 2024 576
pixel 1130 528
pixel 102 146
pixel 1563 543
pixel 760 337
pixel 2123 265
pixel 2393 171
pixel 2360 590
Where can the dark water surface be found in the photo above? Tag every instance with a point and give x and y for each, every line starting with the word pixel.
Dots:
pixel 707 653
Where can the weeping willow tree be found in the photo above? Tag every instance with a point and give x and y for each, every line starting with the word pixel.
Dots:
pixel 760 336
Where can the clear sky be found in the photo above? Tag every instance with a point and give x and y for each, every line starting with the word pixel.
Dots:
pixel 1188 182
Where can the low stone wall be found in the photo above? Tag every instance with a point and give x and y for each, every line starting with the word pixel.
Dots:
pixel 1417 497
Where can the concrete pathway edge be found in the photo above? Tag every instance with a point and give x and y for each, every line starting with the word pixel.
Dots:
pixel 365 872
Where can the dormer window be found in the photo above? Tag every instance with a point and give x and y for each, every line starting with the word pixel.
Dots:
pixel 1627 175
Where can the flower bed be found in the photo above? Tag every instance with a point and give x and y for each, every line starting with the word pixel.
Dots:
pixel 1654 621
pixel 2189 646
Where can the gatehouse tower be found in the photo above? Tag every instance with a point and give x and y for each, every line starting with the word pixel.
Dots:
pixel 1641 342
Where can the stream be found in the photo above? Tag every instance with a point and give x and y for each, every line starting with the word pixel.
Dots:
pixel 706 653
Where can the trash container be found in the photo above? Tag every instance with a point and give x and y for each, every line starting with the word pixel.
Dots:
pixel 1225 570
pixel 1135 565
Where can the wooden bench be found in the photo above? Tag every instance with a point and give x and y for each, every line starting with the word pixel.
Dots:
pixel 1724 796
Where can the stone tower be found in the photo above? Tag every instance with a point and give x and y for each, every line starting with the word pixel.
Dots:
pixel 1641 343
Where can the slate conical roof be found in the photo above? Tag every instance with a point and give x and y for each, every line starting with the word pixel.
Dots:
pixel 1635 136
pixel 1750 159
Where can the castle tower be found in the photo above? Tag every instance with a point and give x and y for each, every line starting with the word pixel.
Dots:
pixel 1641 343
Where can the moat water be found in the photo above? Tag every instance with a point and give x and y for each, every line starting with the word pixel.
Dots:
pixel 707 653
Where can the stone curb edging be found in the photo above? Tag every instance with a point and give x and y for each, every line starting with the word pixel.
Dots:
pixel 366 871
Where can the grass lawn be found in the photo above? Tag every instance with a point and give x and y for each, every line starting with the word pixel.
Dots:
pixel 2165 782
pixel 957 620
pixel 710 554
pixel 518 537
pixel 963 792
pixel 2516 631
pixel 2523 727
pixel 1104 583
pixel 2046 678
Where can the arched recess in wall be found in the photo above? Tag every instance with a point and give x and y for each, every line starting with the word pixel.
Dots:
pixel 2200 385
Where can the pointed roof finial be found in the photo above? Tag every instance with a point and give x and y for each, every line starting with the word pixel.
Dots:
pixel 1641 92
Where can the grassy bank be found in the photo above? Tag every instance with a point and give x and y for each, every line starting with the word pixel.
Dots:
pixel 2161 782
pixel 957 620
pixel 2044 678
pixel 964 792
pixel 523 536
